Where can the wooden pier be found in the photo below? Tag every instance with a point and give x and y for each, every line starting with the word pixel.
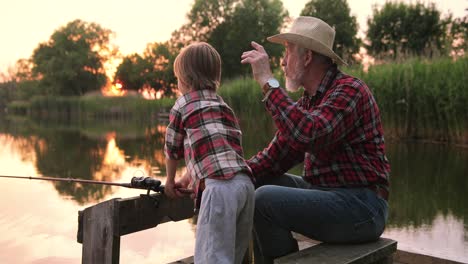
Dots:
pixel 101 226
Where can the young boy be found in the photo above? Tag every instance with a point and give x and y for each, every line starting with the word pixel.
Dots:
pixel 204 130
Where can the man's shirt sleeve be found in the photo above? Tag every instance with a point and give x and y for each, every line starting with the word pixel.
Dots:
pixel 175 133
pixel 327 123
pixel 276 159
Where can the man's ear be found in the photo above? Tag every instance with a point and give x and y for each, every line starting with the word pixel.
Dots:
pixel 308 58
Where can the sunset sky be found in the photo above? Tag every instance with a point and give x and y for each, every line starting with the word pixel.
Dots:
pixel 26 23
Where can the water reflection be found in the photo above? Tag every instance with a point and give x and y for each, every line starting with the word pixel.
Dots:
pixel 427 180
pixel 38 219
pixel 73 154
pixel 445 237
pixel 428 211
pixel 428 200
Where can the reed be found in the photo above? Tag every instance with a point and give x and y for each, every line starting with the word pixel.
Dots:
pixel 245 95
pixel 91 107
pixel 422 99
pixel 418 98
pixel 124 107
pixel 242 94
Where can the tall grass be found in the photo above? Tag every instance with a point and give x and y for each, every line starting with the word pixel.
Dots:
pixel 418 99
pixel 423 99
pixel 91 107
pixel 243 95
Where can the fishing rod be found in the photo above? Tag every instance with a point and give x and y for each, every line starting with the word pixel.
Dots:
pixel 146 183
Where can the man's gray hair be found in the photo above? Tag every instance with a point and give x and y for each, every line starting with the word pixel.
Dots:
pixel 317 58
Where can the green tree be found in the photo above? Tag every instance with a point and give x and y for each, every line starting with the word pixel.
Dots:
pixel 71 61
pixel 7 88
pixel 130 72
pixel 252 20
pixel 459 35
pixel 406 29
pixel 23 70
pixel 338 15
pixel 204 17
pixel 230 25
pixel 160 57
pixel 18 83
pixel 153 70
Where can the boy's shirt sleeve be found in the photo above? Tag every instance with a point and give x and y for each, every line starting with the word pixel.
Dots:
pixel 175 133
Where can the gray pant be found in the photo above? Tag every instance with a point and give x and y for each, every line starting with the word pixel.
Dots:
pixel 225 220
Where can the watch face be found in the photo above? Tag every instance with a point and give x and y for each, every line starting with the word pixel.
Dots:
pixel 273 83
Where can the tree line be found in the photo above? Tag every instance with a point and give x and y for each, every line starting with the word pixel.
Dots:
pixel 73 60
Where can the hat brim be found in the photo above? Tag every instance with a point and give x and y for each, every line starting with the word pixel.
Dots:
pixel 308 43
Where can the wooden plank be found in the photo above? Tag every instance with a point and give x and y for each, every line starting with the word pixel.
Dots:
pixel 140 213
pixel 404 257
pixel 101 241
pixel 248 258
pixel 100 226
pixel 188 260
pixel 343 254
pixel 79 234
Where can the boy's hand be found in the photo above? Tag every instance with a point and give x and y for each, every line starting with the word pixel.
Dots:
pixel 182 184
pixel 178 189
pixel 185 190
pixel 184 181
pixel 169 189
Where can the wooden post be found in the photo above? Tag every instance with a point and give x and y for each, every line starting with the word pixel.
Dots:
pixel 101 239
pixel 100 226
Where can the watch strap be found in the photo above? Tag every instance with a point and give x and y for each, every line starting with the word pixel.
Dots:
pixel 266 95
pixel 265 88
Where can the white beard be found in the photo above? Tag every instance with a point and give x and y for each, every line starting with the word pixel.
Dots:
pixel 293 83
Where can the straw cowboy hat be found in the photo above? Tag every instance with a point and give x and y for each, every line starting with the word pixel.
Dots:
pixel 311 33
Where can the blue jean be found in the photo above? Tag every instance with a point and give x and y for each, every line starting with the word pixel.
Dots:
pixel 333 215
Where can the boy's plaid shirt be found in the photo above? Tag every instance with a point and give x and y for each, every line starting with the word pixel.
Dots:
pixel 204 129
pixel 337 134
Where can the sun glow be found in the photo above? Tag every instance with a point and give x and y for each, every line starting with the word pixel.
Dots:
pixel 113 161
pixel 113 155
pixel 150 93
pixel 113 89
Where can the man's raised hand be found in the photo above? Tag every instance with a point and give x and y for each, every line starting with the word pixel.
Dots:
pixel 259 60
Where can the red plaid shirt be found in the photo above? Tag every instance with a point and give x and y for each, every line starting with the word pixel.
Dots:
pixel 204 129
pixel 337 134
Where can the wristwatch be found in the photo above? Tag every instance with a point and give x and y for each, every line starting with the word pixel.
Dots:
pixel 272 83
pixel 268 87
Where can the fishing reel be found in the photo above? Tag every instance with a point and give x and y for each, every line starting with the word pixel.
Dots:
pixel 147 183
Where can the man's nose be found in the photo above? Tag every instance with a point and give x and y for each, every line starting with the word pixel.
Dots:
pixel 283 62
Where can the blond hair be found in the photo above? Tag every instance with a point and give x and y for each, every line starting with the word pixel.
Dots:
pixel 199 66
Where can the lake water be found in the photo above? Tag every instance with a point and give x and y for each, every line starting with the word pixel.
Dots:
pixel 38 219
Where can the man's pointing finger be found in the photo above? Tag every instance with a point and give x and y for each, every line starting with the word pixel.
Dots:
pixel 257 46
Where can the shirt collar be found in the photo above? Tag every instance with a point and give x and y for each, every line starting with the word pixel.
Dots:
pixel 326 80
pixel 197 95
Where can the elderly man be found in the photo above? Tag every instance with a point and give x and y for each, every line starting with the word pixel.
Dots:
pixel 335 129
